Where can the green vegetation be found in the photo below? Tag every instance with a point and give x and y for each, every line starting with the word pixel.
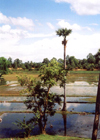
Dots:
pixel 84 72
pixel 92 99
pixel 47 137
pixel 92 62
pixel 26 126
pixel 4 65
pixel 39 98
pixel 12 77
pixel 90 75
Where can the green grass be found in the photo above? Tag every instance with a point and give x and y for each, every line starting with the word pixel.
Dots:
pixel 85 72
pixel 24 71
pixel 74 95
pixel 56 137
pixel 13 76
pixel 92 99
pixel 47 137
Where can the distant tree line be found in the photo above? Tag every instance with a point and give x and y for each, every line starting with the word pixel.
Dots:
pixel 90 63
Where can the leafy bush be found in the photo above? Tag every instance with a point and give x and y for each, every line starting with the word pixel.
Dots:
pixel 39 98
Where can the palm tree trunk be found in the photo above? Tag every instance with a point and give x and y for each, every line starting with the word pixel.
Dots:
pixel 96 120
pixel 64 104
pixel 65 56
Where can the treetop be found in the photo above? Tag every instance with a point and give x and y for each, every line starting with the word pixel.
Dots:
pixel 63 32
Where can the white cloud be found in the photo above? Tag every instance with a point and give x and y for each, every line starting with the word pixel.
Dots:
pixel 87 28
pixel 74 27
pixel 45 48
pixel 64 24
pixel 23 22
pixel 81 45
pixel 6 33
pixel 78 45
pixel 48 45
pixel 11 45
pixel 84 7
pixel 50 25
pixel 32 35
pixel 5 28
pixel 3 19
pixel 10 42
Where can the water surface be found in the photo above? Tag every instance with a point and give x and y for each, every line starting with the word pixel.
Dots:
pixel 76 125
pixel 73 107
pixel 81 88
pixel 69 99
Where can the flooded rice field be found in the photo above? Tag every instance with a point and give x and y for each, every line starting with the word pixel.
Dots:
pixel 77 88
pixel 79 125
pixel 73 107
pixel 69 99
pixel 76 125
pixel 81 88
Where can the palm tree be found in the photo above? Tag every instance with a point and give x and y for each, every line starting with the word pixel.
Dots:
pixel 64 32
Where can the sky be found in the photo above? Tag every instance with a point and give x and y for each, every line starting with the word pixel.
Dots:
pixel 28 28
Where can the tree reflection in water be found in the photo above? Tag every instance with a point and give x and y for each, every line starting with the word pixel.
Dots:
pixel 64 116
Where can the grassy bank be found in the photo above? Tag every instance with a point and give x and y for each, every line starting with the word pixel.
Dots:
pixel 91 99
pixel 47 137
pixel 85 72
pixel 13 76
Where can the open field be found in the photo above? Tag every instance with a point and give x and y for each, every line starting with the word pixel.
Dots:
pixel 34 73
pixel 4 91
pixel 13 76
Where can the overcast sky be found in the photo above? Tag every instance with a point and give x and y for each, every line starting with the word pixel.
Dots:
pixel 27 28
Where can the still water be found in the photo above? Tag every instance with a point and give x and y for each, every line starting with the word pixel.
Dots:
pixel 73 107
pixel 76 125
pixel 69 99
pixel 81 88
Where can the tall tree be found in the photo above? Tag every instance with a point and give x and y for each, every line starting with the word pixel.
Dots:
pixel 45 61
pixel 3 65
pixel 64 32
pixel 17 63
pixel 9 62
pixel 97 57
pixel 90 58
